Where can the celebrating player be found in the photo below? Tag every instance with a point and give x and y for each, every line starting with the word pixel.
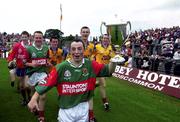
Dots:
pixel 37 67
pixel 75 81
pixel 103 55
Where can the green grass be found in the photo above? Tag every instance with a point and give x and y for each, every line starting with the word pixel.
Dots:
pixel 129 103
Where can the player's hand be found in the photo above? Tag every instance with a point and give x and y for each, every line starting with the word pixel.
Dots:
pixel 33 105
pixel 34 64
pixel 49 64
pixel 12 64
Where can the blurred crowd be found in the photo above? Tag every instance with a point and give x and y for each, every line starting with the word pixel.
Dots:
pixel 6 41
pixel 152 47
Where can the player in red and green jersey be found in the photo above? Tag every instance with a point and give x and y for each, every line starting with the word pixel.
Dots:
pixel 75 81
pixel 37 55
pixel 103 55
pixel 88 53
pixel 37 67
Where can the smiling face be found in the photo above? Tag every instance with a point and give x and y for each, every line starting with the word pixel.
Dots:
pixel 85 31
pixel 76 51
pixel 24 38
pixel 105 41
pixel 38 39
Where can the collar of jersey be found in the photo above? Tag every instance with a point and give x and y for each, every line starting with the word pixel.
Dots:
pixel 105 47
pixel 25 45
pixel 54 49
pixel 38 48
pixel 71 64
pixel 87 43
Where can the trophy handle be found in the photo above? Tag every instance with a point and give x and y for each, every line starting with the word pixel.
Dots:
pixel 102 24
pixel 128 23
pixel 128 34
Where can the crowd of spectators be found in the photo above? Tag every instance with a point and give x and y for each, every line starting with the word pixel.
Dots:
pixel 6 41
pixel 154 46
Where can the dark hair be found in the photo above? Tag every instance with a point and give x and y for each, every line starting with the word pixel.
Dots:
pixel 85 27
pixel 53 38
pixel 106 35
pixel 77 40
pixel 101 37
pixel 25 33
pixel 40 32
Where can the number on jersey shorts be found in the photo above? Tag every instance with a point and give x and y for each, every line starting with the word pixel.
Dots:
pixel 78 113
pixel 37 78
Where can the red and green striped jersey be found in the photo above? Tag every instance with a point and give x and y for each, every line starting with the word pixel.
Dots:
pixel 39 56
pixel 74 84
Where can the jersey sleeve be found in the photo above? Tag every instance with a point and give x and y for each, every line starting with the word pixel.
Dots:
pixel 101 70
pixel 28 49
pixel 11 55
pixel 49 82
pixel 111 52
pixel 48 54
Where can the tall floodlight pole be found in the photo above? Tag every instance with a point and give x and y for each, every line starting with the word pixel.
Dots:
pixel 61 17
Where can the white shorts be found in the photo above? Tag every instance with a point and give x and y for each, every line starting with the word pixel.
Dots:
pixel 36 78
pixel 79 113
